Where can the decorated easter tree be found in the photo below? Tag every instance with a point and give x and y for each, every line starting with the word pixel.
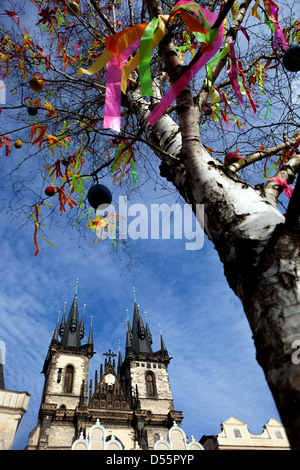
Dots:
pixel 210 90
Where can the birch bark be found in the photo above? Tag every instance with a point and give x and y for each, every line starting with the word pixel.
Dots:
pixel 261 257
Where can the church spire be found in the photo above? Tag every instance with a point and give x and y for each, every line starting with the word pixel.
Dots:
pixel 55 334
pixel 140 335
pixel 120 361
pixel 128 332
pixel 162 343
pixel 90 339
pixel 71 332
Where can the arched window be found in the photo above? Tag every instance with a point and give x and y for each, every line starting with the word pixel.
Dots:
pixel 69 379
pixel 150 384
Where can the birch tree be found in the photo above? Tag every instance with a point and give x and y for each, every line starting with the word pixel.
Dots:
pixel 226 139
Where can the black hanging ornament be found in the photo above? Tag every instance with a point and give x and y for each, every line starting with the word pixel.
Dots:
pixel 32 111
pixel 99 195
pixel 291 58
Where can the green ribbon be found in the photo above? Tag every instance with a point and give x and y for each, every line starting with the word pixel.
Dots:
pixel 268 112
pixel 83 215
pixel 223 53
pixel 145 58
pixel 133 169
pixel 79 188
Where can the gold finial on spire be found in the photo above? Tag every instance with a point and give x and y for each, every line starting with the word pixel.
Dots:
pixel 134 295
pixel 76 289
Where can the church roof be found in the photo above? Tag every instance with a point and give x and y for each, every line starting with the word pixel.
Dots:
pixel 71 335
pixel 141 337
pixel 138 336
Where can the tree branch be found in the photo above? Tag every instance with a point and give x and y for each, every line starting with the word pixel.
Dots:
pixel 257 156
pixel 287 172
pixel 216 70
pixel 104 17
pixel 293 211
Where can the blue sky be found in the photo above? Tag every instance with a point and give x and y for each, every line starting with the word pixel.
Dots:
pixel 213 371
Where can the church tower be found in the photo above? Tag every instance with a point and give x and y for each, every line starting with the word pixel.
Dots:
pixel 66 370
pixel 128 405
pixel 145 373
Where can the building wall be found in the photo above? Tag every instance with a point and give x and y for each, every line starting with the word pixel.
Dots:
pixel 235 435
pixel 13 405
pixel 54 387
pixel 162 401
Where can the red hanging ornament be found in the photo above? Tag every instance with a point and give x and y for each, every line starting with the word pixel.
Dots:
pixel 50 191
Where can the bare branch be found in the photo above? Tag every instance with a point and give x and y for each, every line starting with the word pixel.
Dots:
pixel 203 95
pixel 104 17
pixel 263 153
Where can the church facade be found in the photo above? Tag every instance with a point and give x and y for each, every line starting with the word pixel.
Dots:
pixel 127 406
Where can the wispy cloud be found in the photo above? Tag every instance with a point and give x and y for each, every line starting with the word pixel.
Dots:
pixel 213 373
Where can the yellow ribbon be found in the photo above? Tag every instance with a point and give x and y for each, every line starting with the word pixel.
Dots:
pixel 107 55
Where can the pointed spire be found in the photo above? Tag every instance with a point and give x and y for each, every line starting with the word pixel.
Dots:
pixel 128 332
pixel 148 333
pixel 81 328
pixel 55 334
pixel 120 361
pixel 63 322
pixel 140 340
pixel 71 333
pixel 90 340
pixel 162 343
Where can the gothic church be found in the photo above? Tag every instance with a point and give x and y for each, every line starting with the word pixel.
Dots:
pixel 127 406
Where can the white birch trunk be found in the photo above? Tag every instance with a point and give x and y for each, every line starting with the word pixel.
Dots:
pixel 261 258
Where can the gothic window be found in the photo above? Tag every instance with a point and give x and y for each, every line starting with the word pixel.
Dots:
pixel 69 379
pixel 59 372
pixel 150 383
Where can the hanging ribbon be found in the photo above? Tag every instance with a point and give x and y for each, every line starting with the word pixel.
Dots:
pixel 145 58
pixel 272 13
pixel 63 199
pixel 212 42
pixel 7 142
pixel 288 190
pixel 35 214
pixel 233 73
pixel 254 11
pixel 133 63
pixel 124 156
pixel 268 112
pixel 271 20
pixel 77 184
pixel 112 109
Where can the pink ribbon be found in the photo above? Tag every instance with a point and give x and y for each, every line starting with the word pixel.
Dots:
pixel 112 109
pixel 234 72
pixel 287 189
pixel 279 39
pixel 183 81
